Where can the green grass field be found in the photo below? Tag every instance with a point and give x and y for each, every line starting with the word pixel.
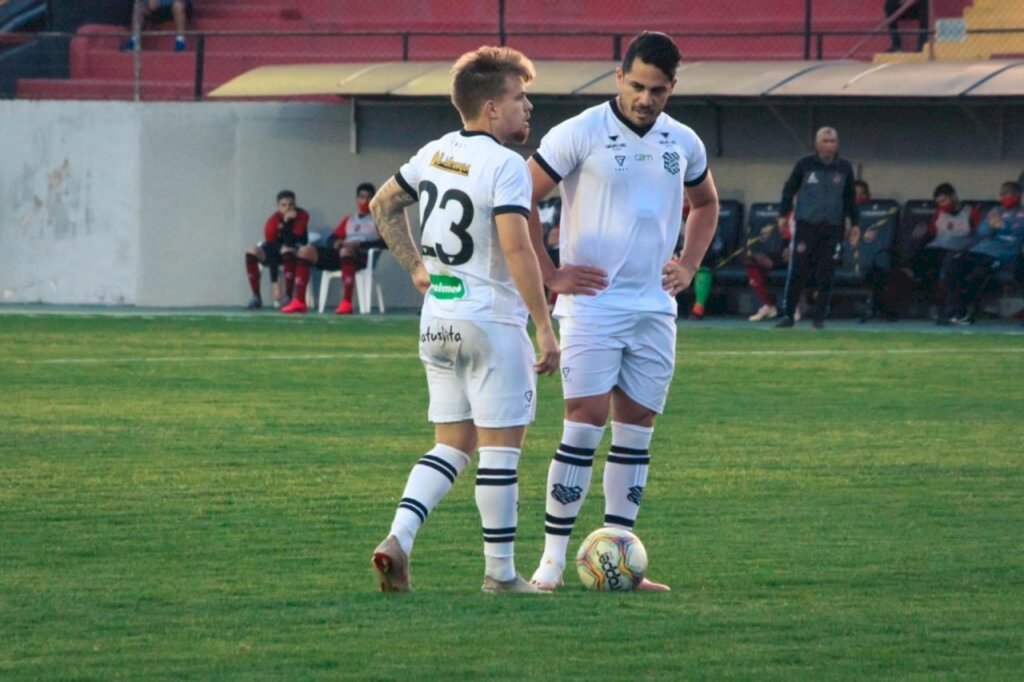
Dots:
pixel 198 497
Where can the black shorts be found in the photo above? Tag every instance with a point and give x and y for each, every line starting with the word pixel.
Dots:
pixel 328 258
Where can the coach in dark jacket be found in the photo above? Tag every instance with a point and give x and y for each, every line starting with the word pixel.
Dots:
pixel 824 183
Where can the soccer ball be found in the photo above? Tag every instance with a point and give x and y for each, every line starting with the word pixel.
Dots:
pixel 612 560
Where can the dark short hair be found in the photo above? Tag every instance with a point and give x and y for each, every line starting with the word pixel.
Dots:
pixel 286 194
pixel 945 188
pixel 1012 186
pixel 656 49
pixel 366 186
pixel 867 188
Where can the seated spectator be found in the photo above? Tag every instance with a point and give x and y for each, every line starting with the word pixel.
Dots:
pixel 952 230
pixel 345 249
pixel 861 192
pixel 917 10
pixel 285 230
pixel 759 261
pixel 157 11
pixel 1002 234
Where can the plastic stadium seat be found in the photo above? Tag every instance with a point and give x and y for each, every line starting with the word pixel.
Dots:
pixel 764 235
pixel 917 213
pixel 864 265
pixel 725 255
pixel 365 285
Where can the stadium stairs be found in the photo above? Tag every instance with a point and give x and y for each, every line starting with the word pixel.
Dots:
pixel 304 31
pixel 982 15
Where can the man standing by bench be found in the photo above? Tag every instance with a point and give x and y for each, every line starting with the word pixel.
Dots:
pixel 825 185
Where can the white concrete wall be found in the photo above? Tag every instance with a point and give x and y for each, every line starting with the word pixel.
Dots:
pixel 154 204
pixel 69 203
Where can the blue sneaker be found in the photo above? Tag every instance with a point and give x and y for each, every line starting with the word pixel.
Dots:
pixel 179 44
pixel 128 45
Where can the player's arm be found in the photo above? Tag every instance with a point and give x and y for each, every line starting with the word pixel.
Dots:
pixel 570 278
pixel 388 209
pixel 697 236
pixel 516 242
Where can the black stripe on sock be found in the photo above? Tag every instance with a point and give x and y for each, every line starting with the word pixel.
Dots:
pixel 414 506
pixel 635 461
pixel 499 531
pixel 619 520
pixel 495 472
pixel 555 530
pixel 560 519
pixel 619 450
pixel 497 481
pixel 573 450
pixel 446 465
pixel 439 469
pixel 576 461
pixel 511 538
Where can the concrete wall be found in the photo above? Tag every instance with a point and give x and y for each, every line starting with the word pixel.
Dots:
pixel 119 203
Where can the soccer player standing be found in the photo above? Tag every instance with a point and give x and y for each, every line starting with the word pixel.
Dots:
pixel 478 270
pixel 624 167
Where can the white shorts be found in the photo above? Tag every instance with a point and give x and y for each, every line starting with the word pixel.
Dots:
pixel 478 370
pixel 634 351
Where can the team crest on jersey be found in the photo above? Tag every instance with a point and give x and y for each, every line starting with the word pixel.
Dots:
pixel 620 160
pixel 671 162
pixel 447 163
pixel 665 140
pixel 614 144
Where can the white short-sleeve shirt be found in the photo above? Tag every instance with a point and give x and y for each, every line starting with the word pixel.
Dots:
pixel 622 202
pixel 463 180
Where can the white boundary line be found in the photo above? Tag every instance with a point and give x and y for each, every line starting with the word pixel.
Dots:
pixel 828 352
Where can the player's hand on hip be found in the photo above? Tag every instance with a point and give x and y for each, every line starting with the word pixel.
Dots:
pixel 549 353
pixel 421 280
pixel 675 277
pixel 578 279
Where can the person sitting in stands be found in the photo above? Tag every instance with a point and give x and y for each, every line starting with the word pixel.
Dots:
pixel 158 11
pixel 1002 234
pixel 346 250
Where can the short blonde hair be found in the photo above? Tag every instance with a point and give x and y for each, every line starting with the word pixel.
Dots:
pixel 482 74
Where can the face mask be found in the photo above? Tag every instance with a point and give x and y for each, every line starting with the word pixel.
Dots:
pixel 364 205
pixel 1010 201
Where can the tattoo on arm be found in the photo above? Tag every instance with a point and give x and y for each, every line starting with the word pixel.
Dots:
pixel 388 210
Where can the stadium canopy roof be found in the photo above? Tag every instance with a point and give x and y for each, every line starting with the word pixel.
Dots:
pixel 741 80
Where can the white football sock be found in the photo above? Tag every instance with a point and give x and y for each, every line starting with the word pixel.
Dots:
pixel 568 483
pixel 625 474
pixel 429 481
pixel 497 498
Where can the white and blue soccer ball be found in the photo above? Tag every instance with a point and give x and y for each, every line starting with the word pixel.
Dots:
pixel 611 560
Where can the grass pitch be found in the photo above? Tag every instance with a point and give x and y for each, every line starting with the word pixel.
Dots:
pixel 198 497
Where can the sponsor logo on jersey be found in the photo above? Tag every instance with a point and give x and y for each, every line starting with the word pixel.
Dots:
pixel 665 140
pixel 446 287
pixel 447 163
pixel 644 157
pixel 812 179
pixel 529 397
pixel 614 143
pixel 671 160
pixel 636 494
pixel 565 494
pixel 441 335
pixel 620 160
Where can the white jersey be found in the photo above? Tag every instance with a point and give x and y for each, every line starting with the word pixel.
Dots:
pixel 360 228
pixel 622 198
pixel 463 180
